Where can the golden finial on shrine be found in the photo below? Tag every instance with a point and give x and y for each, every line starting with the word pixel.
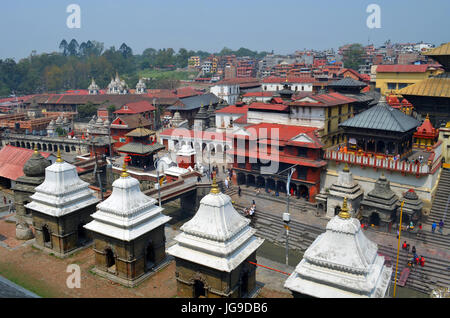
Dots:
pixel 344 214
pixel 124 173
pixel 35 150
pixel 214 186
pixel 58 156
pixel 346 168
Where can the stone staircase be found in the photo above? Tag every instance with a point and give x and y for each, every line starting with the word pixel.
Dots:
pixel 423 279
pixel 438 209
pixel 301 236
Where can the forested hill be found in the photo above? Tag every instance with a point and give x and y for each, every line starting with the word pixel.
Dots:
pixel 74 64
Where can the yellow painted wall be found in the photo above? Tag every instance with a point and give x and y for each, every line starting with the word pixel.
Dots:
pixel 335 120
pixel 398 77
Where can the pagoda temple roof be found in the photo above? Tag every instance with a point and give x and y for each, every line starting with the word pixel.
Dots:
pixel 140 132
pixel 441 54
pixel 438 86
pixel 382 117
pixel 347 82
pixel 139 148
pixel 426 129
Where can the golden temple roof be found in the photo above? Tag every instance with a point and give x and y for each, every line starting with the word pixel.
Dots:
pixel 440 50
pixel 434 87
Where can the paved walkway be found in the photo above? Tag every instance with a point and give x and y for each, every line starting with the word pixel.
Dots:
pixel 10 290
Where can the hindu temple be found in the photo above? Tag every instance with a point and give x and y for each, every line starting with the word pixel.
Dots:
pixel 60 207
pixel 213 251
pixel 128 233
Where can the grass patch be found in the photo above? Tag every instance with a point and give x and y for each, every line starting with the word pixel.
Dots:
pixel 20 278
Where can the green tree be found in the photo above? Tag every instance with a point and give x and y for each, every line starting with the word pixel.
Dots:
pixel 87 110
pixel 354 56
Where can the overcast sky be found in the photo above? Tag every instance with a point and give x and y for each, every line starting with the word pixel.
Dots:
pixel 280 25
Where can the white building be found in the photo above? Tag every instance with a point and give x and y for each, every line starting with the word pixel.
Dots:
pixel 341 263
pixel 297 84
pixel 227 90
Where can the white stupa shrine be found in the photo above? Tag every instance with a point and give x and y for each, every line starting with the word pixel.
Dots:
pixel 60 206
pixel 128 232
pixel 344 187
pixel 341 263
pixel 213 251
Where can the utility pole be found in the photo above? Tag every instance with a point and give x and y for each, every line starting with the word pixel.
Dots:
pixel 157 181
pixel 286 215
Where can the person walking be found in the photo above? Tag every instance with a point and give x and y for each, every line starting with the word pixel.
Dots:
pixel 441 225
pixel 4 200
pixel 413 250
pixel 433 227
pixel 239 191
pixel 226 183
pixel 404 245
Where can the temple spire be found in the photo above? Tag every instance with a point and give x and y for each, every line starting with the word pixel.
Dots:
pixel 124 170
pixel 344 214
pixel 214 186
pixel 58 156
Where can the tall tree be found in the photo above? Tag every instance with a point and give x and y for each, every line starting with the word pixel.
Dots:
pixel 72 48
pixel 63 47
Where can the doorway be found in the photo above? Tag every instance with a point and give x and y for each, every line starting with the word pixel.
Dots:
pixel 110 260
pixel 199 289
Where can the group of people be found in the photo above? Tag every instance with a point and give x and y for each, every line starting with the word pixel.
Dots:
pixel 415 260
pixel 434 225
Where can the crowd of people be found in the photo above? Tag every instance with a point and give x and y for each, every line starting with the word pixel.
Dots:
pixel 415 260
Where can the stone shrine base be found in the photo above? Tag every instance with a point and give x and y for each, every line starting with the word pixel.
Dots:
pixel 135 282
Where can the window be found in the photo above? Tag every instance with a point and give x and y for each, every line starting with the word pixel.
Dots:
pixel 391 85
pixel 402 85
pixel 122 139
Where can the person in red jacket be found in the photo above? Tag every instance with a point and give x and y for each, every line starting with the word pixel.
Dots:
pixel 422 261
pixel 417 259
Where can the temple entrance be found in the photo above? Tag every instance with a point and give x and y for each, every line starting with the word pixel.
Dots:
pixel 82 234
pixel 240 178
pixel 110 260
pixel 374 219
pixel 199 289
pixel 150 256
pixel 260 182
pixel 251 180
pixel 303 192
pixel 46 236
pixel 244 285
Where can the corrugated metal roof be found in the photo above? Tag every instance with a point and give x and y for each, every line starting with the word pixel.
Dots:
pixel 440 50
pixel 347 82
pixel 12 160
pixel 135 147
pixel 382 117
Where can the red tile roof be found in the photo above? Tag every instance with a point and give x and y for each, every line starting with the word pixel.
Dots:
pixel 330 99
pixel 233 109
pixel 12 160
pixel 258 94
pixel 265 106
pixel 136 108
pixel 288 79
